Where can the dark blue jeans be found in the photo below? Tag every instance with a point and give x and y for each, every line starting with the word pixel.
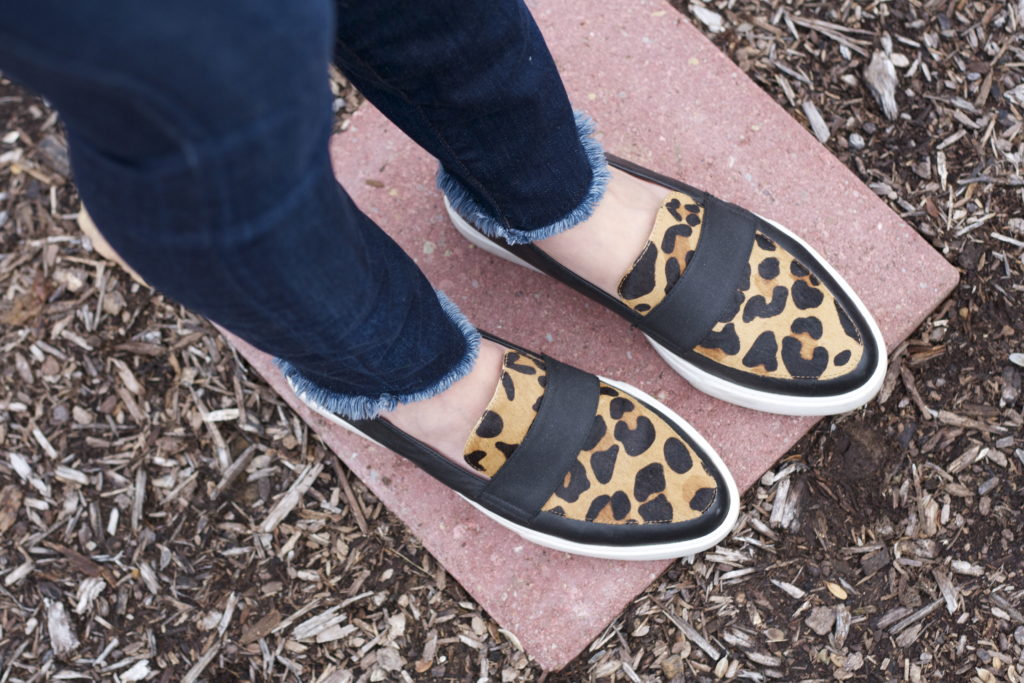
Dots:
pixel 198 137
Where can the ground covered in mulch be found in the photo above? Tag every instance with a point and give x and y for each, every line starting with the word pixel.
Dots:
pixel 143 464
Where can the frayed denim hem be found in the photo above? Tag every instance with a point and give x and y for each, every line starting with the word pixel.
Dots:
pixel 467 207
pixel 368 407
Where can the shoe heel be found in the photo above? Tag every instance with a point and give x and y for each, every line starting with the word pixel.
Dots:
pixel 474 237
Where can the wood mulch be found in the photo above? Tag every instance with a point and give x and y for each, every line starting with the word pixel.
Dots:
pixel 164 516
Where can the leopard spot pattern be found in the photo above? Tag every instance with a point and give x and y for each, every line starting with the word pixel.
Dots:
pixel 665 256
pixel 788 326
pixel 638 470
pixel 508 417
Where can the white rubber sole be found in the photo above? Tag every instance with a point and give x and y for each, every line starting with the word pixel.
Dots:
pixel 474 237
pixel 755 399
pixel 639 553
pixel 323 412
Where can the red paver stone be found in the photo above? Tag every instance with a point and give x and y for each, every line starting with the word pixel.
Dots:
pixel 666 97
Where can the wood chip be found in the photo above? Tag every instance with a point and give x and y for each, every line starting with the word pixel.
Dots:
pixel 911 386
pixel 713 20
pixel 821 620
pixel 88 590
pixel 81 563
pixel 139 671
pixel 44 443
pixel 950 418
pixel 880 76
pixel 230 475
pixel 693 635
pixel 915 617
pixel 63 639
pixel 19 573
pixel 842 628
pixel 24 470
pixel 10 505
pixel 193 674
pixel 261 628
pixel 789 589
pixel 817 123
pixel 966 568
pixel 875 561
pixel 836 590
pixel 309 628
pixel 287 502
pixel 948 590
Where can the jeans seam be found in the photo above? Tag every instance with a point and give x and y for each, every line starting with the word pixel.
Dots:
pixel 426 119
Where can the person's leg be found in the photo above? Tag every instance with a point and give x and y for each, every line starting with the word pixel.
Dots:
pixel 198 137
pixel 473 82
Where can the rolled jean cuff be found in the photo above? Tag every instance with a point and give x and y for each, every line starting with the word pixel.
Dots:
pixel 479 217
pixel 356 407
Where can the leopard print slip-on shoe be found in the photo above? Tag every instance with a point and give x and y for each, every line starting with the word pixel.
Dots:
pixel 581 464
pixel 738 305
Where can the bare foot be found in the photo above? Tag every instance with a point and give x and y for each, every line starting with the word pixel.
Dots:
pixel 446 420
pixel 603 248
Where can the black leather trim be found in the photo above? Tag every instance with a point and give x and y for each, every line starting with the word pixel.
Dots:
pixel 691 308
pixel 544 263
pixel 553 442
pixel 422 455
pixel 647 174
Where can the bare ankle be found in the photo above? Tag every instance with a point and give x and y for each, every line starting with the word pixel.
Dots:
pixel 445 421
pixel 603 248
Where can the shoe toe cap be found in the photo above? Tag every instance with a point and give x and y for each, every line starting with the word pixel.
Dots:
pixel 792 326
pixel 641 478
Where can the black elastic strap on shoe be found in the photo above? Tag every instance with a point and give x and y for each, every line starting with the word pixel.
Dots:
pixel 536 468
pixel 706 288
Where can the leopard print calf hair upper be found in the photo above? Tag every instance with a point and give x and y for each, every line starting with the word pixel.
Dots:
pixel 633 468
pixel 509 415
pixel 783 322
pixel 666 255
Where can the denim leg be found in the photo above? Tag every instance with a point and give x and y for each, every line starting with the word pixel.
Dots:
pixel 473 82
pixel 198 138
